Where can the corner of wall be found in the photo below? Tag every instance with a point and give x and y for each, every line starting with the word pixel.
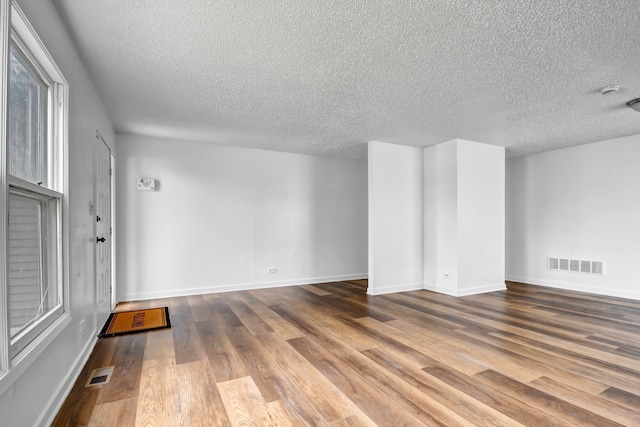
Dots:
pixel 396 288
pixel 395 217
pixel 575 203
pixel 370 215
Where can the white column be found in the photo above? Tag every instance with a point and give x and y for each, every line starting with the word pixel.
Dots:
pixel 395 218
pixel 464 218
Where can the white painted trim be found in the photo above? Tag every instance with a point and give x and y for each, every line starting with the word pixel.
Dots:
pixel 64 388
pixel 5 30
pixel 575 287
pixel 482 289
pixel 27 33
pixel 238 287
pixel 465 292
pixel 397 288
pixel 439 289
pixel 114 294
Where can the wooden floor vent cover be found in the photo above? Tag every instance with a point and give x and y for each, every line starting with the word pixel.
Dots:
pixel 100 376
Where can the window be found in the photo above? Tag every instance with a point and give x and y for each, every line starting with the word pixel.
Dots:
pixel 28 116
pixel 35 285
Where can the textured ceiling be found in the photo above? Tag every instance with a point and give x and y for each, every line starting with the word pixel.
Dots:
pixel 325 77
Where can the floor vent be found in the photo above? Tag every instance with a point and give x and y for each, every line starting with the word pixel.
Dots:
pixel 575 265
pixel 100 376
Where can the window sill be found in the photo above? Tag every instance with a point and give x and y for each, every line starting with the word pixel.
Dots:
pixel 27 356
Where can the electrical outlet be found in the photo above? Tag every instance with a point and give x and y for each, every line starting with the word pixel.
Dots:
pixel 81 326
pixel 272 270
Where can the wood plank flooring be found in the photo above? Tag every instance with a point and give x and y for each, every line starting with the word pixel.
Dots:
pixel 329 355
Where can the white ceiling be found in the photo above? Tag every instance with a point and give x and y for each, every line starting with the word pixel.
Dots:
pixel 325 77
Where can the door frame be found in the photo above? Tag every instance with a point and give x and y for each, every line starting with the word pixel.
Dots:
pixel 112 165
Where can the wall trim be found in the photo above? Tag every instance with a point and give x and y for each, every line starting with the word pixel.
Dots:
pixel 439 289
pixel 575 287
pixel 482 289
pixel 393 289
pixel 64 388
pixel 238 287
pixel 465 292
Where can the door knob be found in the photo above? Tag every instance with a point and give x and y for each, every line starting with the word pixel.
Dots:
pixel 100 239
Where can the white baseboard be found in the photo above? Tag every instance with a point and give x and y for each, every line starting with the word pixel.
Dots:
pixel 392 289
pixel 436 288
pixel 576 287
pixel 465 292
pixel 238 287
pixel 64 388
pixel 482 289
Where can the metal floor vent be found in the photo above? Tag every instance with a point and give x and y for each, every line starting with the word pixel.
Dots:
pixel 575 265
pixel 100 376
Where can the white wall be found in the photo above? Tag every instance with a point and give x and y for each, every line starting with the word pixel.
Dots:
pixel 395 218
pixel 581 203
pixel 33 397
pixel 481 217
pixel 223 216
pixel 441 217
pixel 464 217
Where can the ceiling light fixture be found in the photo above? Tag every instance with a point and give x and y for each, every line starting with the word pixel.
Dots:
pixel 635 104
pixel 609 89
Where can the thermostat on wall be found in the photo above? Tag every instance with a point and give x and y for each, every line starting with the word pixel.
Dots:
pixel 146 184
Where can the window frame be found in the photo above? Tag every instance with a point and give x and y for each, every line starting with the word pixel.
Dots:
pixel 51 124
pixel 15 26
pixel 27 189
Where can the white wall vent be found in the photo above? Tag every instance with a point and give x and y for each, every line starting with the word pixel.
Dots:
pixel 575 265
pixel 597 267
pixel 585 266
pixel 564 264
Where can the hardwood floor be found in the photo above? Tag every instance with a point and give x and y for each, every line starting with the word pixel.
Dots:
pixel 329 355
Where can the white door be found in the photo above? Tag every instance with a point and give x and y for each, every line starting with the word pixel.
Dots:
pixel 102 172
